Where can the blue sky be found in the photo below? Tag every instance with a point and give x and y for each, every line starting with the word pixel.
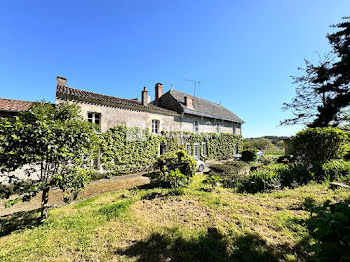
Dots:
pixel 242 52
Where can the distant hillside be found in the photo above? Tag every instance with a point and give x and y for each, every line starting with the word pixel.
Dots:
pixel 270 137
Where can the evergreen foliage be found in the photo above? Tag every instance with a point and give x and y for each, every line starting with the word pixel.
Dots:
pixel 323 91
pixel 320 144
pixel 249 155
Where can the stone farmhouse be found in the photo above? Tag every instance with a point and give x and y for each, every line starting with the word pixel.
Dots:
pixel 172 111
pixel 169 112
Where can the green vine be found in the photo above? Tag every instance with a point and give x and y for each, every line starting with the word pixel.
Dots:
pixel 129 149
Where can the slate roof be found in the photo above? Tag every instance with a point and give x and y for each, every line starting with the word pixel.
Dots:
pixel 10 105
pixel 68 92
pixel 205 108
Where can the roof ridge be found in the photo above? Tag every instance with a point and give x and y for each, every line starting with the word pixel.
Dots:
pixel 82 94
pixel 127 99
pixel 197 97
pixel 17 100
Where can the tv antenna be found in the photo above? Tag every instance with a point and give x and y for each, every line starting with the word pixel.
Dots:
pixel 195 84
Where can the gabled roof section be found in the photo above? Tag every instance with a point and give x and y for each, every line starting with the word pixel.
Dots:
pixel 205 108
pixel 76 94
pixel 10 105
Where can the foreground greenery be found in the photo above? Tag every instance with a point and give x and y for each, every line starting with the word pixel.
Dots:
pixel 53 143
pixel 152 224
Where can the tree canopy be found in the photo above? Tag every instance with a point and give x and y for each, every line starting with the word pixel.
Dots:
pixel 52 142
pixel 322 91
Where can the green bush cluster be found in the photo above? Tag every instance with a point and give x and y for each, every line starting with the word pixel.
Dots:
pixel 228 172
pixel 259 181
pixel 249 155
pixel 290 175
pixel 126 149
pixel 330 229
pixel 174 169
pixel 321 144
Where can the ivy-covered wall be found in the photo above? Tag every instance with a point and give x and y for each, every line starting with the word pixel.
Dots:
pixel 126 149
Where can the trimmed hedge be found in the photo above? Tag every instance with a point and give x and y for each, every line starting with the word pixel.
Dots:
pixel 321 144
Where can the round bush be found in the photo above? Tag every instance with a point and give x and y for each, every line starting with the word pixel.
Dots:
pixel 175 169
pixel 320 144
pixel 249 155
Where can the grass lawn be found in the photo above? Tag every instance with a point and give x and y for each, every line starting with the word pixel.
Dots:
pixel 143 224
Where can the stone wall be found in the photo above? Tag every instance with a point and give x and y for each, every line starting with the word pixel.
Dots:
pixel 112 116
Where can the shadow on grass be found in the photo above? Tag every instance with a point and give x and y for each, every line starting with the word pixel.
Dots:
pixel 211 247
pixel 19 220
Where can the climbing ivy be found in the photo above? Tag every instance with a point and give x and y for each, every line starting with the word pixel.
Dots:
pixel 130 149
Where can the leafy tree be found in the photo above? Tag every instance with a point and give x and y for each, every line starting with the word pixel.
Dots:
pixel 53 142
pixel 323 91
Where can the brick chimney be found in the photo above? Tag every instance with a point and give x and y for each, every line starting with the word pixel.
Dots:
pixel 144 97
pixel 61 81
pixel 189 102
pixel 159 92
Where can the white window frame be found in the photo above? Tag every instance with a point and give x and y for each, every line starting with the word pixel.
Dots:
pixel 196 126
pixel 155 126
pixel 196 146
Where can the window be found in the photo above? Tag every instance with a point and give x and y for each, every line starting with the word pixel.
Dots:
pixel 188 149
pixel 96 162
pixel 234 129
pixel 218 128
pixel 162 148
pixel 196 153
pixel 95 118
pixel 195 126
pixel 155 126
pixel 204 149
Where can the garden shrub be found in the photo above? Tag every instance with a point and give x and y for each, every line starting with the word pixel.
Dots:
pixel 249 155
pixel 259 181
pixel 330 229
pixel 228 172
pixel 294 174
pixel 336 170
pixel 267 160
pixel 320 144
pixel 174 169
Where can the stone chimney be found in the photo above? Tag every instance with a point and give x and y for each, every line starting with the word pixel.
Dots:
pixel 189 102
pixel 159 92
pixel 144 97
pixel 61 81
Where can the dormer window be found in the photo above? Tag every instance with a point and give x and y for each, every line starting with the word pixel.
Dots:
pixel 196 127
pixel 95 118
pixel 155 126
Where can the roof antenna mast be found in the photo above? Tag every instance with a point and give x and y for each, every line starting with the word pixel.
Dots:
pixel 195 85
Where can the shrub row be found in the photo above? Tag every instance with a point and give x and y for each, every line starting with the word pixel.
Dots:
pixel 279 176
